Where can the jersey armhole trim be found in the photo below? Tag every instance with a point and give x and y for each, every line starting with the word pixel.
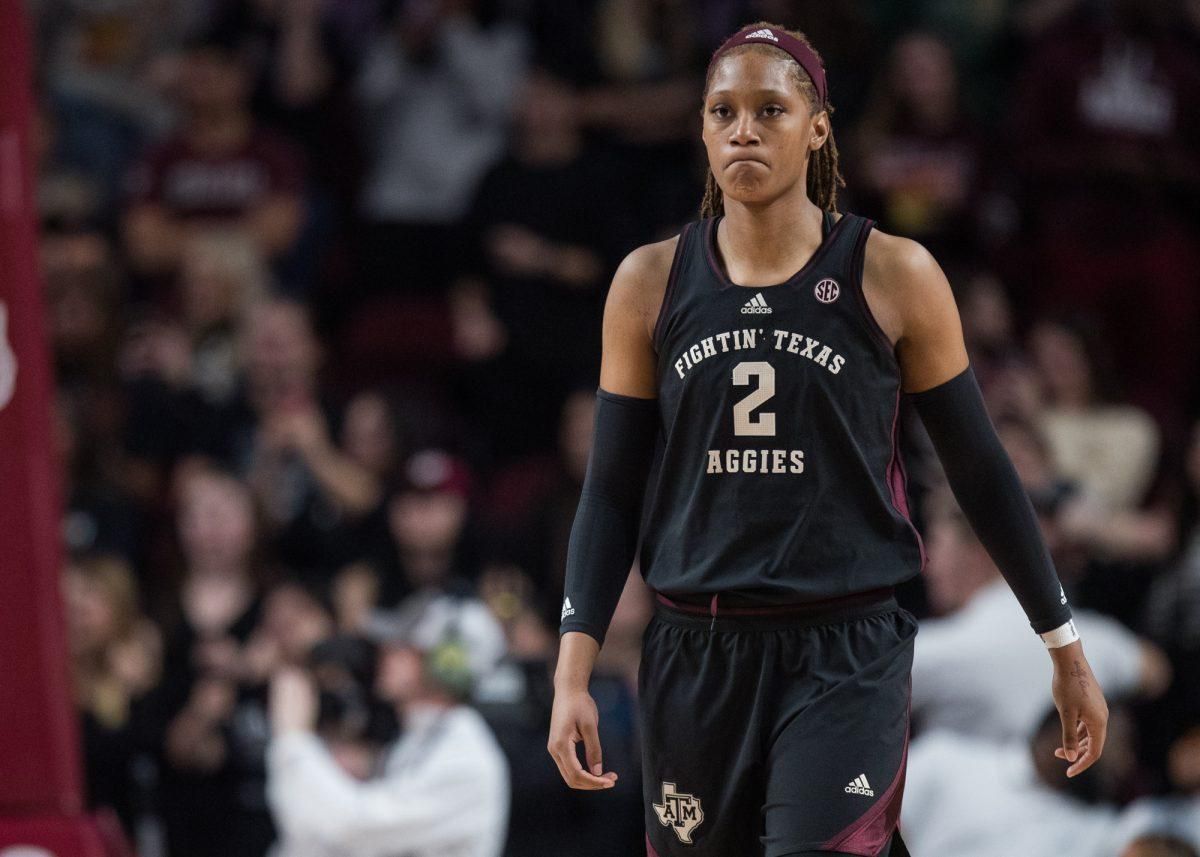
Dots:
pixel 857 263
pixel 669 292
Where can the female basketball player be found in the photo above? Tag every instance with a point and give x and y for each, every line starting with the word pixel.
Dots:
pixel 767 346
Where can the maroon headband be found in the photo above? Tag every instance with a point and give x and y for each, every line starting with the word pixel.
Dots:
pixel 798 51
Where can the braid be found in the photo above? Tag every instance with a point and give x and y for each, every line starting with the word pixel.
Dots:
pixel 824 177
pixel 714 200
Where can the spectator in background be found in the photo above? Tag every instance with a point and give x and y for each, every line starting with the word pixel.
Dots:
pixel 100 517
pixel 84 293
pixel 547 233
pixel 1162 826
pixel 214 717
pixel 192 348
pixel 1095 549
pixel 443 790
pixel 371 433
pixel 428 516
pixel 922 156
pixel 435 93
pixel 300 61
pixel 116 659
pixel 106 68
pixel 1172 616
pixel 531 504
pixel 220 170
pixel 973 798
pixel 317 499
pixel 180 364
pixel 292 622
pixel 987 321
pixel 222 275
pixel 642 102
pixel 353 723
pixel 1110 160
pixel 975 669
pixel 1110 450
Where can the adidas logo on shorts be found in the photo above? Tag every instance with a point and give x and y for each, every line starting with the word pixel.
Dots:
pixel 859 786
pixel 756 304
pixel 763 34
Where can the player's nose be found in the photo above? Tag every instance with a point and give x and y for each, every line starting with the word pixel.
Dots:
pixel 744 130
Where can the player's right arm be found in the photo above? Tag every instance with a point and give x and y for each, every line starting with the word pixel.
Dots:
pixel 604 534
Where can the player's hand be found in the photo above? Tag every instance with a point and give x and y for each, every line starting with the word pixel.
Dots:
pixel 576 719
pixel 1081 705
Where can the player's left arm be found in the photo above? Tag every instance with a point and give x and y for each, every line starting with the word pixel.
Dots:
pixel 912 301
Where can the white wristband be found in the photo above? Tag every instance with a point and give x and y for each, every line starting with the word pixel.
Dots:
pixel 1063 635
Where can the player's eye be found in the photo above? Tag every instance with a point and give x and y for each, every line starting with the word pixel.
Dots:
pixel 773 110
pixel 720 111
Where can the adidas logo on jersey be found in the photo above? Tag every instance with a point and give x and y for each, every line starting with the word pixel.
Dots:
pixel 568 610
pixel 763 34
pixel 860 786
pixel 756 304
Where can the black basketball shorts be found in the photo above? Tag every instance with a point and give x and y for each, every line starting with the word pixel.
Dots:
pixel 767 735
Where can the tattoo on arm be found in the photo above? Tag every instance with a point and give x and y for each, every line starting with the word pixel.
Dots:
pixel 1081 674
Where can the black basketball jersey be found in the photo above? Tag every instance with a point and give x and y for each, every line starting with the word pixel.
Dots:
pixel 779 476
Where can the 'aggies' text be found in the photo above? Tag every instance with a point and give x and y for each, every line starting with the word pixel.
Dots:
pixel 755 461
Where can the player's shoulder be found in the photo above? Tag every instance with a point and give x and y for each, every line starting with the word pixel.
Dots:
pixel 903 276
pixel 897 259
pixel 649 265
pixel 641 279
pixel 903 284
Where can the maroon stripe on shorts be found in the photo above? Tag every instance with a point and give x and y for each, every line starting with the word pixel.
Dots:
pixel 867 834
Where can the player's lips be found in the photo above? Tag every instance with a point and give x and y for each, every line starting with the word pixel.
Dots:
pixel 745 160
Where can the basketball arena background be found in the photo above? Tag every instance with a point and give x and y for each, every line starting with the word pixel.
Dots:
pixel 300 306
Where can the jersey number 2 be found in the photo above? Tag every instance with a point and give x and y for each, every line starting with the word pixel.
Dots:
pixel 764 426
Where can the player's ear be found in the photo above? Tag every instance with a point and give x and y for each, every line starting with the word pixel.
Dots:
pixel 821 129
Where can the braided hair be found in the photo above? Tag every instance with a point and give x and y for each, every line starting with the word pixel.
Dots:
pixel 824 179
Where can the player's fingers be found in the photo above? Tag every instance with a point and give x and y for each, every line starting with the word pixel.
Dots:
pixel 572 771
pixel 591 747
pixel 557 756
pixel 1087 757
pixel 1061 754
pixel 1091 748
pixel 562 750
pixel 1070 724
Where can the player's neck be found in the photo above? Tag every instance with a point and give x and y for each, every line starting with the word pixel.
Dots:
pixel 781 236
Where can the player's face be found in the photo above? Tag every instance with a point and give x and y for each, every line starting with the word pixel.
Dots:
pixel 759 129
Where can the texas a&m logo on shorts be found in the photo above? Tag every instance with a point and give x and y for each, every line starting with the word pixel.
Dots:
pixel 680 812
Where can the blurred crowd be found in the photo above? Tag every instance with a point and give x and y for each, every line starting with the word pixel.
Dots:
pixel 324 283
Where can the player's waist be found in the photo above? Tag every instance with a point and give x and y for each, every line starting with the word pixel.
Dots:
pixel 701 607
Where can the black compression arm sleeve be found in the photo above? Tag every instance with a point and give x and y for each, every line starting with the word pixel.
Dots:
pixel 986 486
pixel 604 535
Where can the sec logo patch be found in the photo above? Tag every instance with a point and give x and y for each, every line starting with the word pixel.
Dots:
pixel 827 290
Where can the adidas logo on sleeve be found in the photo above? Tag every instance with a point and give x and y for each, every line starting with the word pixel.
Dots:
pixel 860 786
pixel 567 610
pixel 757 305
